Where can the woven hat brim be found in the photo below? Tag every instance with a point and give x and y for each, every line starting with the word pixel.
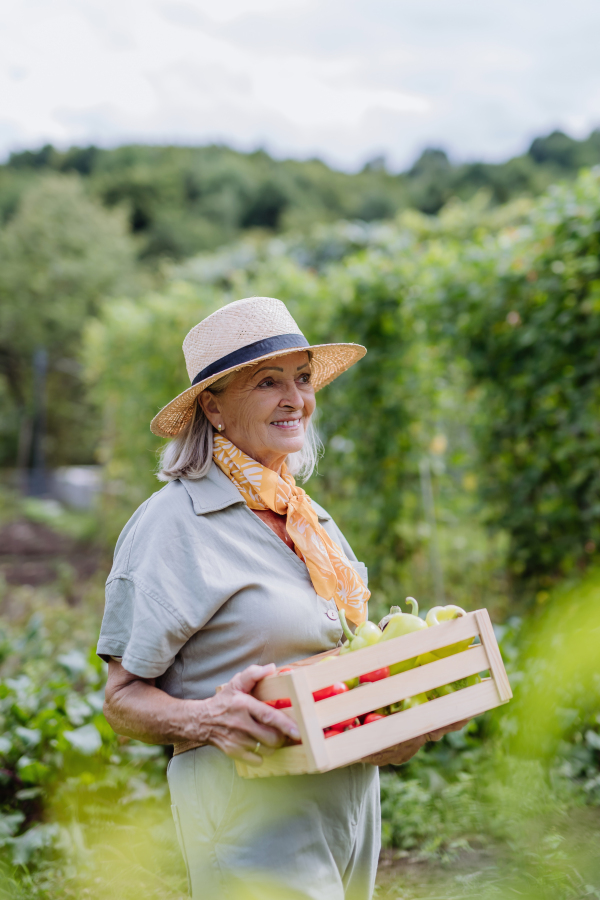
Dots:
pixel 328 361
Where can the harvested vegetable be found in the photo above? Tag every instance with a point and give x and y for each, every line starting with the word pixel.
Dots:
pixel 398 624
pixel 469 681
pixel 365 635
pixel 324 693
pixel 372 717
pixel 417 700
pixel 376 675
pixel 331 732
pixel 443 614
pixel 446 689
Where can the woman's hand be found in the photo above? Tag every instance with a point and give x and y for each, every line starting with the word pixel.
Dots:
pixel 232 720
pixel 237 722
pixel 401 753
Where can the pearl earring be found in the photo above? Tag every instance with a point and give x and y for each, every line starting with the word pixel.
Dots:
pixel 219 427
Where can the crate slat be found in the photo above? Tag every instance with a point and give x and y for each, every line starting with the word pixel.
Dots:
pixel 488 639
pixel 411 723
pixel 368 697
pixel 311 732
pixel 385 653
pixel 274 687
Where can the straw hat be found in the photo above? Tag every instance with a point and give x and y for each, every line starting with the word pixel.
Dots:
pixel 241 334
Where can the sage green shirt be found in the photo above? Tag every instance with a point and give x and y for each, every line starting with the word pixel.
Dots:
pixel 201 588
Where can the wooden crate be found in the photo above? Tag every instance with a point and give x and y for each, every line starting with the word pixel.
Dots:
pixel 317 754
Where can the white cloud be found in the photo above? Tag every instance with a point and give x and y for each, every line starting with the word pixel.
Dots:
pixel 343 79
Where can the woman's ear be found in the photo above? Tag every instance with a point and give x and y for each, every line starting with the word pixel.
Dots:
pixel 210 406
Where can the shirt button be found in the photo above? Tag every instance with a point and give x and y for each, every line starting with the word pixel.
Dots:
pixel 331 614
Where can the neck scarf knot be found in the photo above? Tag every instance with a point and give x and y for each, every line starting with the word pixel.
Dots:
pixel 331 572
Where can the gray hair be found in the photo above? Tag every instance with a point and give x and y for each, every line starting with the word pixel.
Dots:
pixel 189 454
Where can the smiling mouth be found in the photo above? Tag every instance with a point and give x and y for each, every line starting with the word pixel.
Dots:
pixel 287 424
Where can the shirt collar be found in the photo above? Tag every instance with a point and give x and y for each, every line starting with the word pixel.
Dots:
pixel 215 491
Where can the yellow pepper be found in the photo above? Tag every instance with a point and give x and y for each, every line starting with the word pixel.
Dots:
pixel 443 614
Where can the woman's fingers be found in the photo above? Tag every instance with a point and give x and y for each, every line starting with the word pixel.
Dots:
pixel 273 719
pixel 272 723
pixel 267 737
pixel 247 756
pixel 247 680
pixel 397 755
pixel 440 732
pixel 239 745
pixel 244 727
pixel 265 750
pixel 242 720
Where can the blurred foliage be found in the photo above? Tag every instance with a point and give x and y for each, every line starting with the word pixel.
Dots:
pixel 525 775
pixel 73 796
pixel 61 255
pixel 181 200
pixel 82 811
pixel 522 307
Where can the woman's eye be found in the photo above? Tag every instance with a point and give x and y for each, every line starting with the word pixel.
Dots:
pixel 268 382
pixel 305 378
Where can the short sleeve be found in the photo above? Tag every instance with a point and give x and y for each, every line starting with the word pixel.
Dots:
pixel 141 628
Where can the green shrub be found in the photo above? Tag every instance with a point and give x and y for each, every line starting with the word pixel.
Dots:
pixel 60 761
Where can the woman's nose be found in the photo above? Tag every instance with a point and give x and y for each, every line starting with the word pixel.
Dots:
pixel 292 396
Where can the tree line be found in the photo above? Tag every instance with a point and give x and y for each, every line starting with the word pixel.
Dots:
pixel 183 200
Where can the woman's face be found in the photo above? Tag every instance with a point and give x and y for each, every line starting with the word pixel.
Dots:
pixel 266 409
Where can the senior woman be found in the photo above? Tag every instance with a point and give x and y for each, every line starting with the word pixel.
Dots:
pixel 227 571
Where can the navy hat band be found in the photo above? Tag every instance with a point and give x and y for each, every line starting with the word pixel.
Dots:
pixel 251 352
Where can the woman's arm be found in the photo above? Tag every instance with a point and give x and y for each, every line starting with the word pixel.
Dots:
pixel 232 720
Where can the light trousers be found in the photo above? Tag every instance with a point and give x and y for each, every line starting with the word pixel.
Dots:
pixel 302 837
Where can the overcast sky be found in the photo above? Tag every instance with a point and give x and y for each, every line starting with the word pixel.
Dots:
pixel 341 79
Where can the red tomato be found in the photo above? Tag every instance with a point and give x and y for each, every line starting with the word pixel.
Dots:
pixel 283 703
pixel 347 723
pixel 331 732
pixel 377 675
pixel 338 688
pixel 372 717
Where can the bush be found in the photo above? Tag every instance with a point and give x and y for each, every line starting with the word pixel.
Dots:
pixel 73 796
pixel 523 308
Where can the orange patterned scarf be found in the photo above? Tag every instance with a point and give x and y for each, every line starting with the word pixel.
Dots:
pixel 331 572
